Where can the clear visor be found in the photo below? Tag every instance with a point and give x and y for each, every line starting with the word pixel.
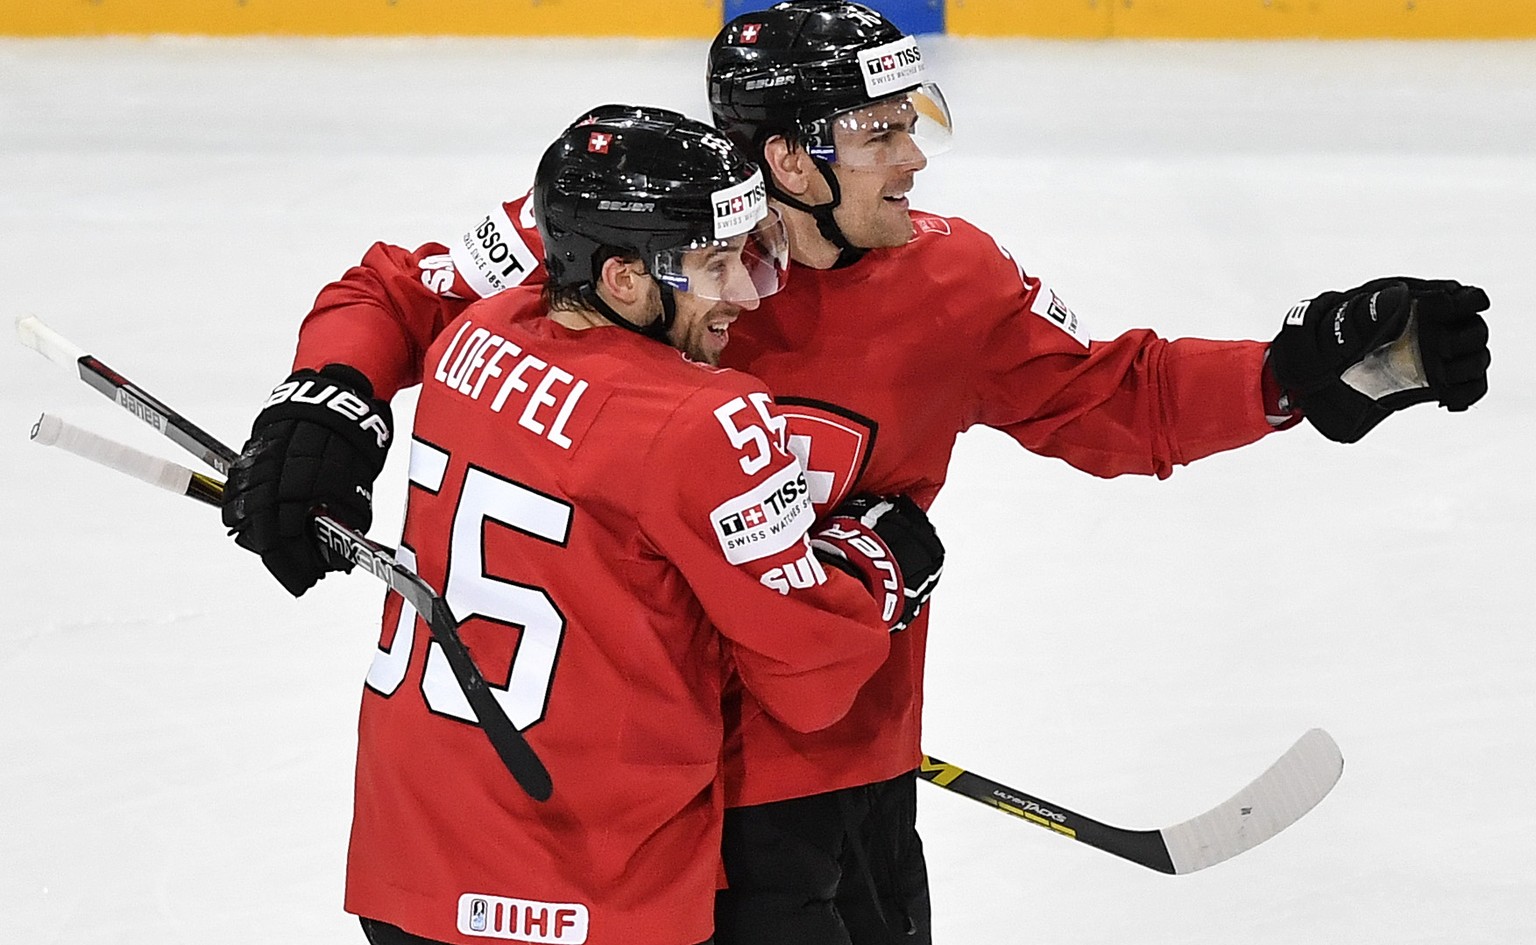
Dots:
pixel 740 270
pixel 907 128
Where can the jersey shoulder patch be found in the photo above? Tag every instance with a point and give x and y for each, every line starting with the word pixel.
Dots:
pixel 1049 306
pixel 493 256
pixel 924 224
pixel 768 518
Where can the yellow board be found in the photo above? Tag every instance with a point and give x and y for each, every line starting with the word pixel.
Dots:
pixel 1057 19
pixel 1245 19
pixel 643 18
pixel 1064 19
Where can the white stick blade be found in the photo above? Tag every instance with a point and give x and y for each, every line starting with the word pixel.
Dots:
pixel 47 342
pixel 1279 797
pixel 54 431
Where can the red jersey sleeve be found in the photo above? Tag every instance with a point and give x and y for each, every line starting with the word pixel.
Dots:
pixel 382 314
pixel 1135 404
pixel 733 515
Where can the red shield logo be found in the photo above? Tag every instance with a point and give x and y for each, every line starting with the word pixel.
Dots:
pixel 832 443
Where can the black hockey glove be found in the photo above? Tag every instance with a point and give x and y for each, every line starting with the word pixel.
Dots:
pixel 1348 359
pixel 888 544
pixel 320 440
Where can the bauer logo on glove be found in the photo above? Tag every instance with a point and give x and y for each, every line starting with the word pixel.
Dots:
pixel 889 545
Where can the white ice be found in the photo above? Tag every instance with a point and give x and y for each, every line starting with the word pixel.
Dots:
pixel 176 734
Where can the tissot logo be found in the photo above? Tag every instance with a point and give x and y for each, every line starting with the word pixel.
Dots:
pixel 754 516
pixel 895 59
pixel 740 203
pixel 738 208
pixel 766 520
pixel 892 67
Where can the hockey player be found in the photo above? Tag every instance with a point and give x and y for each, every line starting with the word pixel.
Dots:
pixel 620 526
pixel 897 330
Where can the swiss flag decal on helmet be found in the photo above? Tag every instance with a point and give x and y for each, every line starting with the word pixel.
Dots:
pixel 598 142
pixel 749 32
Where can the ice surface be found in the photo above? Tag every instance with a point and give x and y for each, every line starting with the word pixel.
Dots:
pixel 176 733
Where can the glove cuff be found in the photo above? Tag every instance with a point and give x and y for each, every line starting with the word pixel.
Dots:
pixel 849 545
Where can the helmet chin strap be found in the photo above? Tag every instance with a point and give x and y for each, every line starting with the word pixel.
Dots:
pixel 656 330
pixel 847 253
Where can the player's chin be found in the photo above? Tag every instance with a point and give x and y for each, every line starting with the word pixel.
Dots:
pixel 708 344
pixel 895 227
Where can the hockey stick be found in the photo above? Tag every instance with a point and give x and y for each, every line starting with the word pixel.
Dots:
pixel 185 434
pixel 1291 786
pixel 50 430
pixel 376 559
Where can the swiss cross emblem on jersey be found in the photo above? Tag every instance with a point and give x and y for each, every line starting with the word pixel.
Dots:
pixel 598 143
pixel 749 32
pixel 833 445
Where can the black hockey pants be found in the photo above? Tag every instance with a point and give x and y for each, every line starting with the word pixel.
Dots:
pixel 841 868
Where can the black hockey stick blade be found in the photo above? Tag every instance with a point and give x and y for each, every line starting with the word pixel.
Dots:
pixel 510 745
pixel 1293 785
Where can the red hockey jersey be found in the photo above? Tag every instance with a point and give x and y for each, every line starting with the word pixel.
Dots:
pixel 877 367
pixel 618 528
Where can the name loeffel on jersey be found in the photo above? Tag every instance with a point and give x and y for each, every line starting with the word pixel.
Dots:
pixel 546 393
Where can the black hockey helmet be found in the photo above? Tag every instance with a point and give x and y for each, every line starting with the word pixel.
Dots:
pixel 655 185
pixel 790 69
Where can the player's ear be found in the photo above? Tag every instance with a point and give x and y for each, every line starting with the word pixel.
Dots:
pixel 624 284
pixel 623 281
pixel 791 167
